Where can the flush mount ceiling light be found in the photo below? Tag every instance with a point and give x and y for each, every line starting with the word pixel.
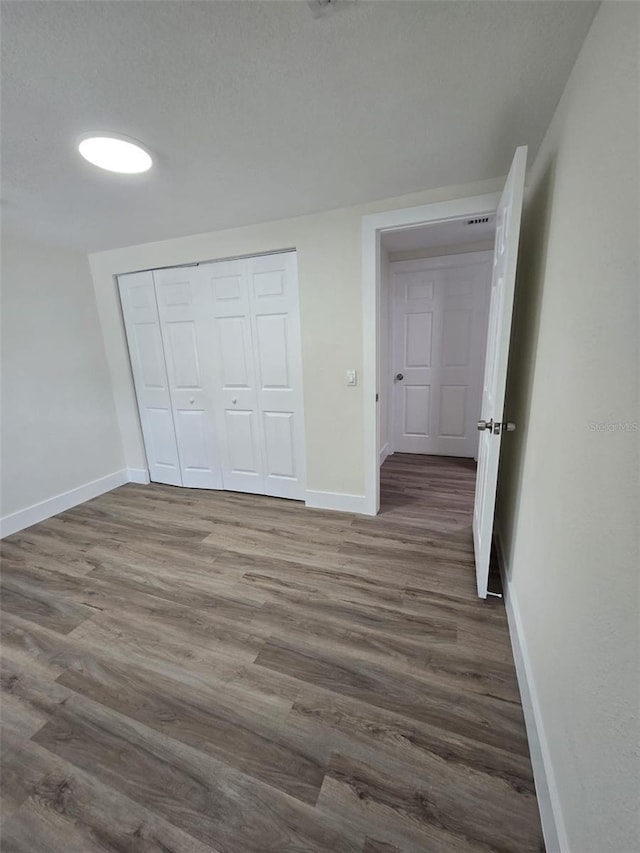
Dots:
pixel 115 153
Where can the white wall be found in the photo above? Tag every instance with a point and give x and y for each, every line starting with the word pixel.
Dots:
pixel 569 506
pixel 59 428
pixel 329 259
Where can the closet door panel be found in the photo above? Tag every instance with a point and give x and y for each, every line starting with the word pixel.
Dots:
pixel 280 444
pixel 182 355
pixel 225 287
pixel 188 357
pixel 275 320
pixel 160 444
pixel 142 326
pixel 242 443
pixel 234 347
pixel 273 356
pixel 193 440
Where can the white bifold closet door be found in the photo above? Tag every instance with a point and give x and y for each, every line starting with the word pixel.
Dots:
pixel 188 354
pixel 216 359
pixel 142 325
pixel 254 303
pixel 170 348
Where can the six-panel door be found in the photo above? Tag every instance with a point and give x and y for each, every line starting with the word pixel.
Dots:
pixel 226 295
pixel 142 325
pixel 275 325
pixel 439 319
pixel 503 280
pixel 254 307
pixel 188 355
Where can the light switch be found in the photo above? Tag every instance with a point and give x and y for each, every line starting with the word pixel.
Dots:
pixel 352 377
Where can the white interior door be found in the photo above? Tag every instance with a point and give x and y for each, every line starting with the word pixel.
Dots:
pixel 189 360
pixel 275 325
pixel 142 324
pixel 495 375
pixel 439 320
pixel 226 292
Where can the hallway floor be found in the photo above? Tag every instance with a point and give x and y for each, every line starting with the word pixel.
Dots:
pixel 211 671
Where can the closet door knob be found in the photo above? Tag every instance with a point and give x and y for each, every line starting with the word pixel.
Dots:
pixel 192 400
pixel 235 400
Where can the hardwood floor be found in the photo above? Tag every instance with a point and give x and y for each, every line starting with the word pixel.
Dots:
pixel 210 671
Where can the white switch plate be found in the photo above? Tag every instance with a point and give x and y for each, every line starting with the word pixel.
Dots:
pixel 352 377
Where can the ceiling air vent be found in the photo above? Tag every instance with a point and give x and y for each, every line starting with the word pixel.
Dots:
pixel 480 221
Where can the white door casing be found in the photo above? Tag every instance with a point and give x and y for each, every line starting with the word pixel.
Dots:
pixel 142 325
pixel 439 325
pixel 189 360
pixel 508 218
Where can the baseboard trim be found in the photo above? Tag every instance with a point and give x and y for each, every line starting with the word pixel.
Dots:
pixel 138 475
pixel 553 827
pixel 59 503
pixel 337 501
pixel 384 452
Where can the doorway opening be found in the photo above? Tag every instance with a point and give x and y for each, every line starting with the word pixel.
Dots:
pixel 402 237
pixel 422 426
pixel 435 283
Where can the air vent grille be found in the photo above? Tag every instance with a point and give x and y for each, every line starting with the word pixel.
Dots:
pixel 481 220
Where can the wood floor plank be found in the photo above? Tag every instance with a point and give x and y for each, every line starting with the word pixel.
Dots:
pixel 253 743
pixel 401 623
pixel 201 796
pixel 282 621
pixel 28 552
pixel 372 845
pixel 392 741
pixel 139 580
pixel 156 622
pixel 39 605
pixel 187 670
pixel 435 817
pixel 65 808
pixel 484 718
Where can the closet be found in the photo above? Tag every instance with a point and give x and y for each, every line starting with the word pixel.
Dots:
pixel 217 368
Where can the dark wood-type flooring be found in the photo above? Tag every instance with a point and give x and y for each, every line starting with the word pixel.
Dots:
pixel 210 671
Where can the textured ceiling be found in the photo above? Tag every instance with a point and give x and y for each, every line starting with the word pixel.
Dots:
pixel 259 110
pixel 451 233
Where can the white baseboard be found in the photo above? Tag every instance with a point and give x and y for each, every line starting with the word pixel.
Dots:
pixel 59 503
pixel 384 452
pixel 553 827
pixel 337 501
pixel 138 475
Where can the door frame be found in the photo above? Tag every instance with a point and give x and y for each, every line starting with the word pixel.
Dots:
pixel 373 226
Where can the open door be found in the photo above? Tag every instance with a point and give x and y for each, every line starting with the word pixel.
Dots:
pixel 493 422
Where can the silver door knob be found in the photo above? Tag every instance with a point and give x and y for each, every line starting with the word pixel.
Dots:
pixel 496 428
pixel 399 377
pixel 235 400
pixel 192 400
pixel 505 426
